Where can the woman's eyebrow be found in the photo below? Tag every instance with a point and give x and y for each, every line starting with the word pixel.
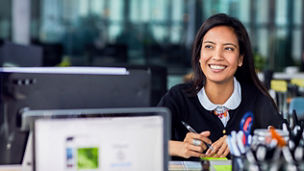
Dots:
pixel 209 42
pixel 232 44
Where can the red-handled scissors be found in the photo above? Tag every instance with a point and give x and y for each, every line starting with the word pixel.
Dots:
pixel 245 126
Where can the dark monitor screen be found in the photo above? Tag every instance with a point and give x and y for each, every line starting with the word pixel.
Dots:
pixel 158 81
pixel 62 88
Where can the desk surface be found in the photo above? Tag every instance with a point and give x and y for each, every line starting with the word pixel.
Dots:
pixel 10 168
pixel 215 165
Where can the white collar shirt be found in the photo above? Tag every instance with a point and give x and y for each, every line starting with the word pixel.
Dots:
pixel 232 103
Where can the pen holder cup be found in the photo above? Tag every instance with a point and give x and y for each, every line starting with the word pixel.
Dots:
pixel 280 164
pixel 237 162
pixel 240 163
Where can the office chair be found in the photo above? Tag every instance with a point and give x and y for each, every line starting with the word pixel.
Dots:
pixel 297 104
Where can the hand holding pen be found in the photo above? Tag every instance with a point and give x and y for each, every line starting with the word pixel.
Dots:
pixel 196 142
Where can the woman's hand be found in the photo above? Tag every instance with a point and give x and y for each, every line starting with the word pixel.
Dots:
pixel 186 148
pixel 220 148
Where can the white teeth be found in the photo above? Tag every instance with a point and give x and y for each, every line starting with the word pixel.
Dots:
pixel 217 67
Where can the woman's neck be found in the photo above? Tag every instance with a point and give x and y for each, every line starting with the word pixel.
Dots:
pixel 219 93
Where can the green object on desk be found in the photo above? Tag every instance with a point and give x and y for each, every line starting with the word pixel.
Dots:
pixel 223 167
pixel 214 158
pixel 217 166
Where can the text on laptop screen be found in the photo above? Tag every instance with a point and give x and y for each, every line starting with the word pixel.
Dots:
pixel 118 143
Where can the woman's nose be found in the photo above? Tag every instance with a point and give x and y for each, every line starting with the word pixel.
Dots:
pixel 218 54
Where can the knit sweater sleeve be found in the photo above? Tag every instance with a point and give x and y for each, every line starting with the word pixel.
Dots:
pixel 267 113
pixel 172 100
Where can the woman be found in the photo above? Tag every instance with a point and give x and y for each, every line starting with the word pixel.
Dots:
pixel 224 87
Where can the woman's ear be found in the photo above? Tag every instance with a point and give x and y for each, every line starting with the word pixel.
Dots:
pixel 240 63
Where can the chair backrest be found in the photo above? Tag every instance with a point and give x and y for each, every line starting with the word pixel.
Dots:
pixel 297 104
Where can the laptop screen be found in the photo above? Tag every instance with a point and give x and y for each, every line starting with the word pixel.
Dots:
pixel 132 141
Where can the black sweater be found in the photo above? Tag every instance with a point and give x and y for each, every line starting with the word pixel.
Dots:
pixel 187 108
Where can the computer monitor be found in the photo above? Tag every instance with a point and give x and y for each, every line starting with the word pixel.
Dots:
pixel 159 81
pixel 62 88
pixel 101 139
pixel 12 54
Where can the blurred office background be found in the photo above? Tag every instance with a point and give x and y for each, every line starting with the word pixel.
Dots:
pixel 148 32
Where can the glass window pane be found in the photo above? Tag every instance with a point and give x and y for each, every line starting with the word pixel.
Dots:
pixel 70 9
pixel 282 55
pixel 158 9
pixel 135 10
pixel 281 34
pixel 176 34
pixel 211 7
pixel 145 11
pixel 116 9
pixel 159 32
pixel 223 6
pixel 298 11
pixel 207 10
pixel 139 10
pixel 52 26
pixel 249 33
pixel 244 11
pixel 177 10
pixel 235 8
pixel 177 20
pixel 97 6
pixel 114 31
pixel 262 41
pixel 63 21
pixel 262 10
pixel 281 12
pixel 5 19
pixel 297 44
pixel 83 7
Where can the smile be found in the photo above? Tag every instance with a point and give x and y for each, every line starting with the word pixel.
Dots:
pixel 217 66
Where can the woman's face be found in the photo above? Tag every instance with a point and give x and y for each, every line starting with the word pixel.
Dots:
pixel 220 54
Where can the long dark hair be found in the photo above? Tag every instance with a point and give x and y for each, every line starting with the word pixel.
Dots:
pixel 244 74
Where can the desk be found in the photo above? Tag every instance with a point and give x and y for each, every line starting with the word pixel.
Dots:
pixel 173 166
pixel 215 165
pixel 10 168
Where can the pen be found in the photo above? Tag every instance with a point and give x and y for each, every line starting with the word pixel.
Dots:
pixel 189 128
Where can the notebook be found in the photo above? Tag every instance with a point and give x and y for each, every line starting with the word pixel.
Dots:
pixel 101 139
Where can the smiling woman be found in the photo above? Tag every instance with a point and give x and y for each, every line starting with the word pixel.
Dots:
pixel 220 58
pixel 224 87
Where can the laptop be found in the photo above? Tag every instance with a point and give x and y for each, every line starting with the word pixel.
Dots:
pixel 101 139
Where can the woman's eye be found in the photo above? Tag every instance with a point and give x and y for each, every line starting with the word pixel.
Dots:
pixel 208 46
pixel 229 48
